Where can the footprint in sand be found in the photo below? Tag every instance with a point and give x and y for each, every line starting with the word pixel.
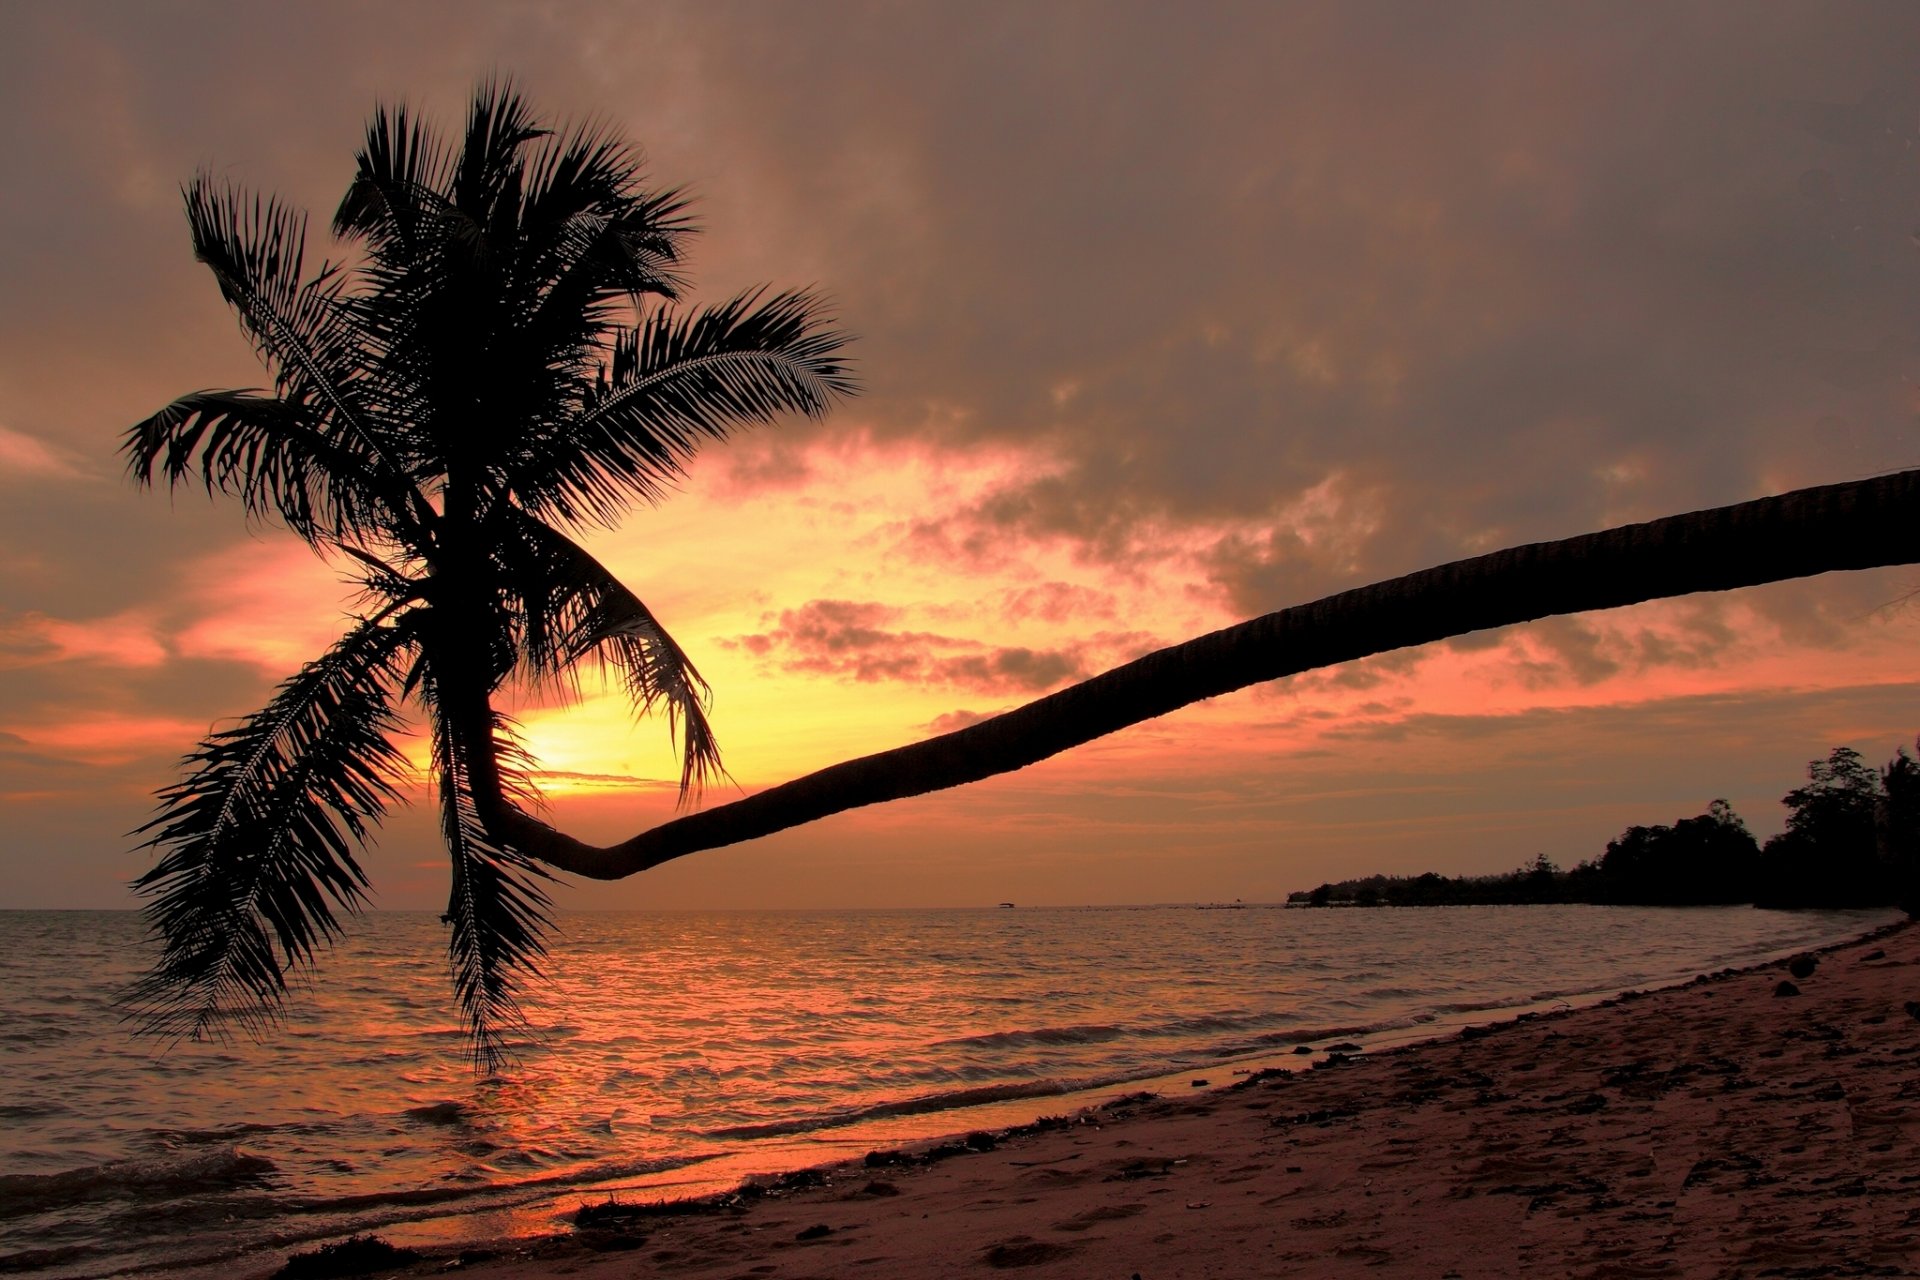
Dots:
pixel 1024 1251
pixel 1104 1213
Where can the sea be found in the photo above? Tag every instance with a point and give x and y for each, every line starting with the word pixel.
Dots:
pixel 678 1053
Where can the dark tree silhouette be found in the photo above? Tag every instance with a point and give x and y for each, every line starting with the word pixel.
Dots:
pixel 500 368
pixel 1899 828
pixel 1831 852
pixel 1708 859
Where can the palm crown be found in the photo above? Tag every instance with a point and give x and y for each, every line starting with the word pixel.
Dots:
pixel 502 366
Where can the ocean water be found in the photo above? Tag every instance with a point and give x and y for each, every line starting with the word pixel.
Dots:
pixel 680 1052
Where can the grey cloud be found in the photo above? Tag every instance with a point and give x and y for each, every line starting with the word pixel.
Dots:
pixel 1209 259
pixel 1468 263
pixel 846 638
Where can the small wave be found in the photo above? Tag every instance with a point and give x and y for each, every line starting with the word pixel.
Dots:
pixel 156 1179
pixel 225 1134
pixel 1479 1006
pixel 1206 1022
pixel 439 1113
pixel 951 1100
pixel 1312 1035
pixel 1088 1033
pixel 41 1259
pixel 416 1197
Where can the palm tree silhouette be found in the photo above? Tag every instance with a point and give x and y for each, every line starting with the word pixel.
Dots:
pixel 502 367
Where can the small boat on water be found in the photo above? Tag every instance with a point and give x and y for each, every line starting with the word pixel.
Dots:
pixel 1007 905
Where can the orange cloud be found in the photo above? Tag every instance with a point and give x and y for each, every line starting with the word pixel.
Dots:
pixel 128 639
pixel 98 737
pixel 27 457
pixel 270 603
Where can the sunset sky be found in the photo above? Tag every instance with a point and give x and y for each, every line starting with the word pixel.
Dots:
pixel 1167 318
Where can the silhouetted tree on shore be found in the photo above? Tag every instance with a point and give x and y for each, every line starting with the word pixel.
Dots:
pixel 1831 854
pixel 1852 840
pixel 1899 828
pixel 1708 859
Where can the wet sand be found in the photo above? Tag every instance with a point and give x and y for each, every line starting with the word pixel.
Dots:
pixel 1714 1129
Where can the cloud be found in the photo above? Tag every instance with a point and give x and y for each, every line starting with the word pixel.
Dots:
pixel 106 737
pixel 128 639
pixel 1058 602
pixel 25 457
pixel 848 640
pixel 950 721
pixel 568 780
pixel 1509 277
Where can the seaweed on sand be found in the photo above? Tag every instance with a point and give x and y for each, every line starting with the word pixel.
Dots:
pixel 358 1256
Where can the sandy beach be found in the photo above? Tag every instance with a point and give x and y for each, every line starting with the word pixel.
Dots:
pixel 1747 1123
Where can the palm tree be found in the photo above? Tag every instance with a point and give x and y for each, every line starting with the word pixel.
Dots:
pixel 501 368
pixel 447 411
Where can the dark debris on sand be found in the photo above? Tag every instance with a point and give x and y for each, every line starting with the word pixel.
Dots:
pixel 359 1256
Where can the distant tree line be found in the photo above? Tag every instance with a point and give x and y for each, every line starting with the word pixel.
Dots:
pixel 1852 840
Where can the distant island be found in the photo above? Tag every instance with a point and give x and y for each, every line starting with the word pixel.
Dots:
pixel 1852 840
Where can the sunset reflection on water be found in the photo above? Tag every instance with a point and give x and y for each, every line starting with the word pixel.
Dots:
pixel 677 1053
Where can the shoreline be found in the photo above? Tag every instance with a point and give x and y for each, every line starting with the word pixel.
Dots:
pixel 1555 1134
pixel 812 1150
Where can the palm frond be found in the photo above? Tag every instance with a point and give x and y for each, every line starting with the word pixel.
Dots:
pixel 258 842
pixel 574 609
pixel 582 205
pixel 488 171
pixel 272 455
pixel 582 275
pixel 384 586
pixel 304 329
pixel 496 908
pixel 395 197
pixel 674 382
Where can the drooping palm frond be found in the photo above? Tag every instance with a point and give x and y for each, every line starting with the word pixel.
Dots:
pixel 673 383
pixel 258 841
pixel 273 456
pixel 303 329
pixel 574 609
pixel 496 908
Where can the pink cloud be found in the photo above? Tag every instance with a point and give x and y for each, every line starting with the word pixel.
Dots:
pixel 126 639
pixel 271 604
pixel 25 457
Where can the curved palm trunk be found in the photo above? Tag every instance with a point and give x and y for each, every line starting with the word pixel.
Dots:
pixel 1858 525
